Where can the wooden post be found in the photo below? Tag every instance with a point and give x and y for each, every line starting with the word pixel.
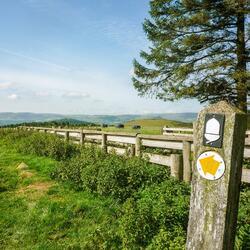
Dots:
pixel 104 142
pixel 186 161
pixel 218 155
pixel 66 136
pixel 82 136
pixel 138 146
pixel 132 150
pixel 176 166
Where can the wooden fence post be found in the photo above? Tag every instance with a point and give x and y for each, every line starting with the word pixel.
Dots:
pixel 218 153
pixel 186 161
pixel 138 146
pixel 82 136
pixel 176 166
pixel 66 136
pixel 132 150
pixel 104 142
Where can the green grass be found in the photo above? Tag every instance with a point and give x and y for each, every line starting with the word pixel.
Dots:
pixel 148 126
pixel 38 213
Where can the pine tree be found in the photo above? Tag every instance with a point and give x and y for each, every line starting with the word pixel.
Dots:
pixel 199 49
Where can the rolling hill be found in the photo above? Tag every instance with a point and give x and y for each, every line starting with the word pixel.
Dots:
pixel 16 118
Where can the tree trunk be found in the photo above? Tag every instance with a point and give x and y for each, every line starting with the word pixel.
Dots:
pixel 241 82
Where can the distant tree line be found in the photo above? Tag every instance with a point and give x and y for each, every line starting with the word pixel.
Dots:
pixel 55 123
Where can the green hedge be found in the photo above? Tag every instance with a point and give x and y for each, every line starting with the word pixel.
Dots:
pixel 110 174
pixel 44 145
pixel 157 217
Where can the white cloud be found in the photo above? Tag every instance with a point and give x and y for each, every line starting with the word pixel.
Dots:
pixel 6 85
pixel 76 95
pixel 43 94
pixel 13 97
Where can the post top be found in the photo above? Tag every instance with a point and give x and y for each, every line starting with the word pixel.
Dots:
pixel 222 107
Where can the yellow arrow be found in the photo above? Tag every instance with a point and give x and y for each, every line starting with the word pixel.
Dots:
pixel 209 165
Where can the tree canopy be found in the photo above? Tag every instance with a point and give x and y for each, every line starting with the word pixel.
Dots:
pixel 198 49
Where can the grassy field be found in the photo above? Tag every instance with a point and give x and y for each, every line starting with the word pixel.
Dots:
pixel 95 201
pixel 148 126
pixel 39 213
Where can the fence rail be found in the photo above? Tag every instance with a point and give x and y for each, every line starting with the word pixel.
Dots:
pixel 180 146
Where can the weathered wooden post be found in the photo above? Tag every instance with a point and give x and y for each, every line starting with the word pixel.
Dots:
pixel 218 152
pixel 137 146
pixel 186 148
pixel 176 166
pixel 104 142
pixel 131 150
pixel 82 136
pixel 66 138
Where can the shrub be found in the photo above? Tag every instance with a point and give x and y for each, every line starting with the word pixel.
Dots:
pixel 158 215
pixel 82 170
pixel 46 145
pixel 113 175
pixel 11 136
pixel 173 240
pixel 122 178
pixel 243 224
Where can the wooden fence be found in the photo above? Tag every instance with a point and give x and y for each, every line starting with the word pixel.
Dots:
pixel 177 146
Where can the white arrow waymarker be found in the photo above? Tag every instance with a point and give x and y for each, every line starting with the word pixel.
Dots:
pixel 212 130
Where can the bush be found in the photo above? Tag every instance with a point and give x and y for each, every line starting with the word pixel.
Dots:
pixel 243 224
pixel 113 175
pixel 174 240
pixel 158 216
pixel 46 145
pixel 11 136
pixel 82 170
pixel 122 178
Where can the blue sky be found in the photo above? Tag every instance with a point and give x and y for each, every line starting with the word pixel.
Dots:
pixel 74 56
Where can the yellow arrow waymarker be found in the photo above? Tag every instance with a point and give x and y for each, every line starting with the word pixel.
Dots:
pixel 209 165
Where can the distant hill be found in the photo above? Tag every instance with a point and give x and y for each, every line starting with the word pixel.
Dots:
pixel 57 123
pixel 16 118
pixel 157 123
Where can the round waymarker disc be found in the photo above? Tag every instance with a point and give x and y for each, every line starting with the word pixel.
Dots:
pixel 210 165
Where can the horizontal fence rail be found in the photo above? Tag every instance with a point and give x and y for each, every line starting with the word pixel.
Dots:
pixel 178 146
pixel 189 132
